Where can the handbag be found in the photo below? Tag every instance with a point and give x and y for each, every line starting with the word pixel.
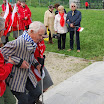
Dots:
pixel 47 39
pixel 56 36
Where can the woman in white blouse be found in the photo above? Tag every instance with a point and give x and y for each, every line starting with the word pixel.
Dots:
pixel 60 27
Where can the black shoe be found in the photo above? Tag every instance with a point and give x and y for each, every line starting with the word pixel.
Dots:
pixel 38 102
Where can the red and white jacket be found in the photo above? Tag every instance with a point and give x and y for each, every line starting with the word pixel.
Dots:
pixel 10 13
pixel 5 70
pixel 4 8
pixel 40 49
pixel 25 12
pixel 17 20
pixel 38 53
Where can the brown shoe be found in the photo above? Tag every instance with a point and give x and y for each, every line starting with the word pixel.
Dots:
pixel 78 50
pixel 49 42
pixel 69 50
pixel 59 49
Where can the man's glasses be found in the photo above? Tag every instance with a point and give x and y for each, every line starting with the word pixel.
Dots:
pixel 72 6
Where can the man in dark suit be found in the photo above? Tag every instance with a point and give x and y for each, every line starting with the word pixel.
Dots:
pixel 21 51
pixel 73 20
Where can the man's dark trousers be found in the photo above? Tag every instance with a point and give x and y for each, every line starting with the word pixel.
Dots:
pixel 72 41
pixel 30 97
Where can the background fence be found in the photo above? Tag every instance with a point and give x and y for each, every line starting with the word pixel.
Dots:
pixel 45 3
pixel 93 4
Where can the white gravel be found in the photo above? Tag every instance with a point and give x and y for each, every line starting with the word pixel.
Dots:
pixel 61 67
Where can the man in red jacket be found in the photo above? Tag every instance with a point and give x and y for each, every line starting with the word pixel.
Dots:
pixel 6 96
pixel 25 14
pixel 18 3
pixel 86 5
pixel 5 38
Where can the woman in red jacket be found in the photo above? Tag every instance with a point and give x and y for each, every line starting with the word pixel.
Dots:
pixel 25 14
pixel 6 96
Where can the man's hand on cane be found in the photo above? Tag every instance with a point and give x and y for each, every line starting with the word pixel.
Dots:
pixel 38 68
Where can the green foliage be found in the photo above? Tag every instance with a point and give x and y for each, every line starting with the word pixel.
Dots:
pixel 1 1
pixel 96 1
pixel 46 3
pixel 94 4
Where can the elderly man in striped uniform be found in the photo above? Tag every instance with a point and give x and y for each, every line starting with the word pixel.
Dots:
pixel 21 51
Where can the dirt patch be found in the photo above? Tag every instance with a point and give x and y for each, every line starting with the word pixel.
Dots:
pixel 61 67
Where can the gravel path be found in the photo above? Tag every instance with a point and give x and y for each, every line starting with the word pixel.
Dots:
pixel 61 67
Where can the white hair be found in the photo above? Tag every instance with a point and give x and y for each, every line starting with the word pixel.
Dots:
pixel 2 23
pixel 36 26
pixel 73 4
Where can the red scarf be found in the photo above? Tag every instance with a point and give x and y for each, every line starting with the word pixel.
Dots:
pixel 62 21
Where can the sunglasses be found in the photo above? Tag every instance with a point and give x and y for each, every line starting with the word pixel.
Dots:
pixel 72 6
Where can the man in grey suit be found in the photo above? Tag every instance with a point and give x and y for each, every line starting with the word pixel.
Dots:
pixel 21 50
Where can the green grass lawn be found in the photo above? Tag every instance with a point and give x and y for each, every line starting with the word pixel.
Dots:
pixel 91 38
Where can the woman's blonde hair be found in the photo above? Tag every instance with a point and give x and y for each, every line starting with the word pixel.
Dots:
pixel 60 7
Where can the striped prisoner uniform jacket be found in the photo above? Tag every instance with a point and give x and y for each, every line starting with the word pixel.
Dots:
pixel 19 50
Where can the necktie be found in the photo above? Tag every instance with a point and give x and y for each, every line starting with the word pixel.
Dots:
pixel 72 13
